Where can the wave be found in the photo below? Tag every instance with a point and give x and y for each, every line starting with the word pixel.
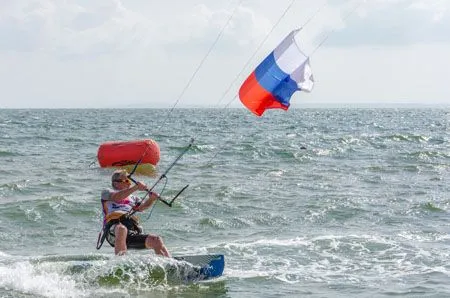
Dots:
pixel 97 275
pixel 7 153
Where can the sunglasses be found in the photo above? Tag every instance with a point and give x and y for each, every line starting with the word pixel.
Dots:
pixel 122 180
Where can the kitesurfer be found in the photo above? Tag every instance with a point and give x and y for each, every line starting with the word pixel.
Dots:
pixel 121 230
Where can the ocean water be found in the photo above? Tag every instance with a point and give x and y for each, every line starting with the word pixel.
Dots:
pixel 304 203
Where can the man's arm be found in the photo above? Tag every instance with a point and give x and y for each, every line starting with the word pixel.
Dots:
pixel 122 194
pixel 153 196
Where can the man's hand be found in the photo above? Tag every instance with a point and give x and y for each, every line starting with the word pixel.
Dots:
pixel 153 195
pixel 141 186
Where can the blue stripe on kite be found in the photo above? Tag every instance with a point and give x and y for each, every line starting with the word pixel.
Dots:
pixel 270 76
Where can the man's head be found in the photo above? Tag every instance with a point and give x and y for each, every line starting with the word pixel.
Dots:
pixel 119 179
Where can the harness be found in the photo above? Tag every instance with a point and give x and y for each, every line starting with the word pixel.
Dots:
pixel 131 222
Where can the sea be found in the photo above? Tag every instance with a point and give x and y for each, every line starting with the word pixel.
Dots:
pixel 309 202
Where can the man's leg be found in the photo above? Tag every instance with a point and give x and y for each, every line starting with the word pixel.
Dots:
pixel 120 244
pixel 155 242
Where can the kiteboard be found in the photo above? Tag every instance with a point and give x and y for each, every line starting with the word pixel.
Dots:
pixel 184 269
pixel 205 266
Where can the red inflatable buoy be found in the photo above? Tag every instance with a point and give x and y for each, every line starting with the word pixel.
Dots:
pixel 128 153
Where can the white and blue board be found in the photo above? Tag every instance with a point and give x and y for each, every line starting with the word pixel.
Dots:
pixel 190 268
pixel 209 266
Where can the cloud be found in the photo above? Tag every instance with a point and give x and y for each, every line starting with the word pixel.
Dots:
pixel 74 29
pixel 69 28
pixel 83 28
pixel 108 53
pixel 395 22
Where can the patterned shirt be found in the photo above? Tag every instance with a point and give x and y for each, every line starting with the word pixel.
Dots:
pixel 112 209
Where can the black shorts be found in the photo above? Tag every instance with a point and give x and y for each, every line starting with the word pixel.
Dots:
pixel 135 240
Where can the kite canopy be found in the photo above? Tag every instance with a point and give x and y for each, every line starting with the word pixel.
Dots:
pixel 284 71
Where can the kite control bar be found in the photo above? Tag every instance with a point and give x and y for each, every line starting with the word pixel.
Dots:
pixel 163 175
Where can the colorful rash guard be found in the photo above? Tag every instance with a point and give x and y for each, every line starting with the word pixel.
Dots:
pixel 113 210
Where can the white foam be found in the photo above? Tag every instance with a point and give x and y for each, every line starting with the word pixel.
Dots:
pixel 294 242
pixel 2 254
pixel 23 277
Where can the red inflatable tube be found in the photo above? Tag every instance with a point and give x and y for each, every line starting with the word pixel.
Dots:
pixel 118 154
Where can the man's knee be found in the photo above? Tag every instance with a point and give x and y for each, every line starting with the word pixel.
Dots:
pixel 120 230
pixel 154 241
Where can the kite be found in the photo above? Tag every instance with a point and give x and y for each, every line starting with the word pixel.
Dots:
pixel 284 71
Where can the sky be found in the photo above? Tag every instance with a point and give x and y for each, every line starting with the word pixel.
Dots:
pixel 197 53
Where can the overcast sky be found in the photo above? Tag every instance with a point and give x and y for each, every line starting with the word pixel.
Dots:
pixel 142 53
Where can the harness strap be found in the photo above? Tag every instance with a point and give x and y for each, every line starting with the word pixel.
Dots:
pixel 106 227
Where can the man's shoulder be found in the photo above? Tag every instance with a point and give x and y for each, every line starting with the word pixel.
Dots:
pixel 106 194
